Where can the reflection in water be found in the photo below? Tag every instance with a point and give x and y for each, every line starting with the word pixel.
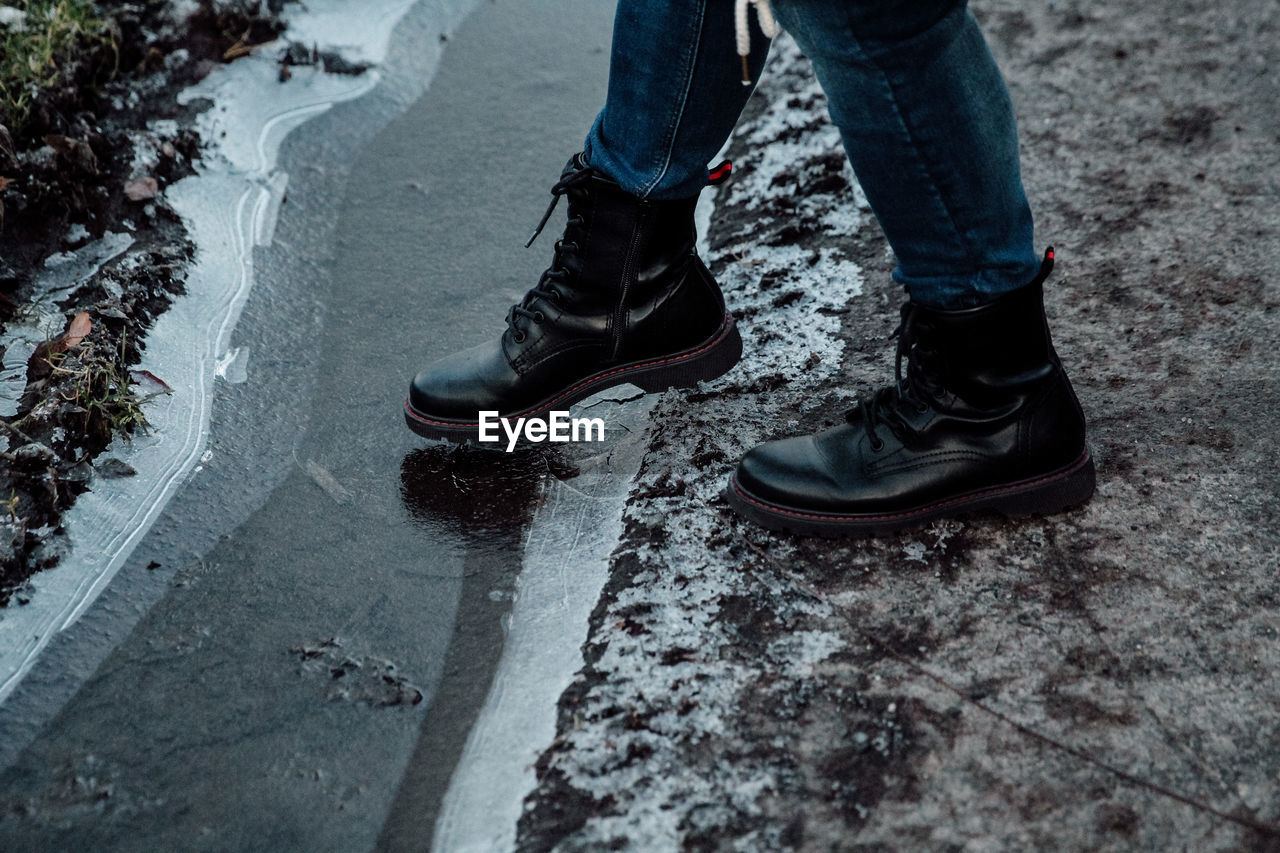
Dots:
pixel 484 500
pixel 479 493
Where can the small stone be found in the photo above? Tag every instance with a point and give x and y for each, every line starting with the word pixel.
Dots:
pixel 142 189
pixel 35 453
pixel 75 152
pixel 79 473
pixel 111 468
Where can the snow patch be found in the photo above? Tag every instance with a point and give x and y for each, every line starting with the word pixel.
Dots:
pixel 806 649
pixel 667 679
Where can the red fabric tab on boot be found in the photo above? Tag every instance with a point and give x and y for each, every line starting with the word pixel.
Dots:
pixel 720 173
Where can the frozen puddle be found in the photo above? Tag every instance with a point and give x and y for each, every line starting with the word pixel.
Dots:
pixel 564 569
pixel 565 566
pixel 230 208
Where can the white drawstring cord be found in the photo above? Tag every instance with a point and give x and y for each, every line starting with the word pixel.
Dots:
pixel 742 30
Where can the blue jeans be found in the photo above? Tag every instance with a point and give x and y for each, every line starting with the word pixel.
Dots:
pixel 920 104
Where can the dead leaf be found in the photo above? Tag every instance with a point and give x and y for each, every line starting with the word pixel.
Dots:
pixel 79 329
pixel 40 364
pixel 4 182
pixel 239 49
pixel 142 189
pixel 150 382
pixel 243 48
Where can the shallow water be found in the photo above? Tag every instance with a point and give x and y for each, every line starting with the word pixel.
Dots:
pixel 230 207
pixel 284 525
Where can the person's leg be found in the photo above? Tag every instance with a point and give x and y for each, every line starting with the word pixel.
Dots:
pixel 675 93
pixel 983 417
pixel 929 128
pixel 626 298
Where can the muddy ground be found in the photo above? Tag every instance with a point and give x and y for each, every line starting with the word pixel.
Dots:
pixel 91 161
pixel 1102 679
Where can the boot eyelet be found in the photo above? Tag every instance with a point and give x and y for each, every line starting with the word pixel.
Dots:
pixel 921 408
pixel 877 444
pixel 538 316
pixel 518 337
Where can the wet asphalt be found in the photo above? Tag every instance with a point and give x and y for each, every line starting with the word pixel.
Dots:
pixel 293 657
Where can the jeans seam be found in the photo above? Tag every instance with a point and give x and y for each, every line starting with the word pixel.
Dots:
pixel 673 127
pixel 929 173
pixel 922 161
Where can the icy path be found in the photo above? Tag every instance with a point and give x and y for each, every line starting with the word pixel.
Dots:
pixel 230 207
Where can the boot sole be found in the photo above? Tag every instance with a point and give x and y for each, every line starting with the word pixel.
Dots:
pixel 1042 495
pixel 710 359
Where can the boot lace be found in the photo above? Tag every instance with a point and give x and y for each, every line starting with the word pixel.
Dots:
pixel 913 391
pixel 562 263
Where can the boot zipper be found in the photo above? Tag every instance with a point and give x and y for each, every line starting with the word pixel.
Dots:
pixel 619 313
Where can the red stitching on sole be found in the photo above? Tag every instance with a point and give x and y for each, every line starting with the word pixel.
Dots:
pixel 778 510
pixel 729 326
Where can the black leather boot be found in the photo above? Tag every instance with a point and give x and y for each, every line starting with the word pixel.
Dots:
pixel 626 299
pixel 984 419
